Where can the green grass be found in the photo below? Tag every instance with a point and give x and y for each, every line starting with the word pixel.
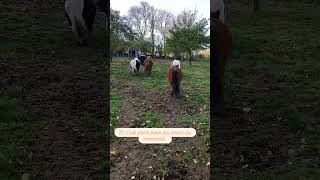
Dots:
pixel 187 156
pixel 151 120
pixel 115 104
pixel 275 68
pixel 160 154
pixel 196 82
pixel 14 122
pixel 200 120
pixel 282 50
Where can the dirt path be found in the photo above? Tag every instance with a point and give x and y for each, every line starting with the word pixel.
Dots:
pixel 135 159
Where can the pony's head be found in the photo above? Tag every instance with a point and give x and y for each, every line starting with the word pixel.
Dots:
pixel 216 14
pixel 175 63
pixel 136 59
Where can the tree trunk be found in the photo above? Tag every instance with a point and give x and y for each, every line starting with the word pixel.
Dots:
pixel 164 47
pixel 108 51
pixel 152 35
pixel 256 5
pixel 190 57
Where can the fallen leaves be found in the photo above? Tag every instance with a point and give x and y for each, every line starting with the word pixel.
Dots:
pixel 114 152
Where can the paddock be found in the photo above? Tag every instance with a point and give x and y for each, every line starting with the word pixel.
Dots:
pixel 143 102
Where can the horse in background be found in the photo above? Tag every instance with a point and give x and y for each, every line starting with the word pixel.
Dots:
pixel 175 76
pixel 134 65
pixel 176 63
pixel 222 49
pixel 218 5
pixel 80 15
pixel 148 66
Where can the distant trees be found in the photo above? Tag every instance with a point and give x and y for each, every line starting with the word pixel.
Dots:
pixel 138 19
pixel 122 35
pixel 188 34
pixel 163 24
pixel 142 19
pixel 158 31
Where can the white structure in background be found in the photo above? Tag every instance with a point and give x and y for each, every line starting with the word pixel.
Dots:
pixel 218 5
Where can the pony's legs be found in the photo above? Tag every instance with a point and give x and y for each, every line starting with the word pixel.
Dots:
pixel 170 91
pixel 220 84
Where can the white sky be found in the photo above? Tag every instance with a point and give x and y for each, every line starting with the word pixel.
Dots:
pixel 174 6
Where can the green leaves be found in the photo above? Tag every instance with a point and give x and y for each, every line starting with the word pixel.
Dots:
pixel 188 34
pixel 122 34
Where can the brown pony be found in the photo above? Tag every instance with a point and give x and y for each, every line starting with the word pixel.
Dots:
pixel 148 66
pixel 222 48
pixel 175 76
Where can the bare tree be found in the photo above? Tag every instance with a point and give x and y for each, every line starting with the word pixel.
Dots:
pixel 186 18
pixel 163 23
pixel 152 13
pixel 139 17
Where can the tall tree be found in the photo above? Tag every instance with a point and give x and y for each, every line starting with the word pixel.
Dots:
pixel 139 17
pixel 188 34
pixel 163 23
pixel 152 12
pixel 121 33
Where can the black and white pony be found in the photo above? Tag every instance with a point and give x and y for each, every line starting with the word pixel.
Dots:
pixel 81 15
pixel 135 65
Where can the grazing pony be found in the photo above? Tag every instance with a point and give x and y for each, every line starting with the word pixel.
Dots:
pixel 134 65
pixel 148 66
pixel 175 76
pixel 218 5
pixel 176 63
pixel 222 49
pixel 80 15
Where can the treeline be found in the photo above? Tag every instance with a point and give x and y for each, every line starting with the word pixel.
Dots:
pixel 158 32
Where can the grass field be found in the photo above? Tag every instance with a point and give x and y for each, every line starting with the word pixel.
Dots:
pixel 146 102
pixel 272 93
pixel 51 96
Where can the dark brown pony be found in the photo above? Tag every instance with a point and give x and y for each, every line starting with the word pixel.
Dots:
pixel 222 49
pixel 148 66
pixel 175 76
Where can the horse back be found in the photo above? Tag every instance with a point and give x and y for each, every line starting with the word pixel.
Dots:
pixel 177 72
pixel 223 38
pixel 148 64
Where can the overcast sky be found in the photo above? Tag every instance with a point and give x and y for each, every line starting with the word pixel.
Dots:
pixel 174 6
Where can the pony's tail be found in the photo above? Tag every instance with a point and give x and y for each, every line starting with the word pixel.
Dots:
pixel 175 82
